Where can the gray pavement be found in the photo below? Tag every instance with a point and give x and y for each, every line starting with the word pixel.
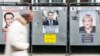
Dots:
pixel 62 55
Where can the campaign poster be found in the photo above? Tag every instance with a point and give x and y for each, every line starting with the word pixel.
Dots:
pixel 87 25
pixel 50 21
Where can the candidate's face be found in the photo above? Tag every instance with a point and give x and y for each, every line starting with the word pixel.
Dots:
pixel 50 15
pixel 87 23
pixel 8 19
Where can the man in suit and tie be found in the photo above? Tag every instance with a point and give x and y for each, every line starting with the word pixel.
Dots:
pixel 17 42
pixel 8 18
pixel 49 20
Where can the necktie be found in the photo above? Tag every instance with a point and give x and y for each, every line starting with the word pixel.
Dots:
pixel 51 23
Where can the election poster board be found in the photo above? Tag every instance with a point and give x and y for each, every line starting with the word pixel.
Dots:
pixel 8 14
pixel 49 26
pixel 84 25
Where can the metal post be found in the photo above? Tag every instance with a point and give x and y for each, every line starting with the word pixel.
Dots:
pixel 30 32
pixel 68 30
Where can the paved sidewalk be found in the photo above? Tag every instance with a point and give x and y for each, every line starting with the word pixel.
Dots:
pixel 63 55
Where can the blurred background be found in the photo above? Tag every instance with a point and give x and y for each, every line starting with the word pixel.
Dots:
pixel 55 50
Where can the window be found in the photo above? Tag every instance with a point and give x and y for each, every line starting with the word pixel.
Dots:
pixel 29 1
pixel 84 0
pixel 48 1
pixel 43 1
pixel 72 1
pixel 12 0
pixel 57 1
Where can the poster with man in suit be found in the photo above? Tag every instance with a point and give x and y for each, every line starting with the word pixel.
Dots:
pixel 8 17
pixel 50 22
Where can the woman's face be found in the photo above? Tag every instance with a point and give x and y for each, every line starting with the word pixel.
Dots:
pixel 9 19
pixel 87 23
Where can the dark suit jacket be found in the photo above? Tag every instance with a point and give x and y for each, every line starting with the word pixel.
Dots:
pixel 82 29
pixel 46 22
